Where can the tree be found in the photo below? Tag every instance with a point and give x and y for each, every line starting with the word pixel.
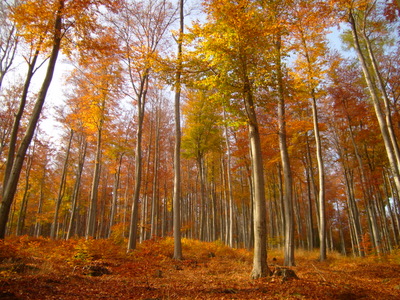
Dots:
pixel 177 149
pixel 61 189
pixel 141 28
pixel 8 40
pixel 201 136
pixel 310 24
pixel 229 43
pixel 47 30
pixel 359 15
pixel 10 187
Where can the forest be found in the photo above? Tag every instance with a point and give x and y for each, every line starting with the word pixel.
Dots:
pixel 266 125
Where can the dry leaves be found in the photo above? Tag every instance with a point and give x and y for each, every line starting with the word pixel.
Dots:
pixel 44 269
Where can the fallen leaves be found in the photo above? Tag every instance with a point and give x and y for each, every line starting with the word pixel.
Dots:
pixel 150 273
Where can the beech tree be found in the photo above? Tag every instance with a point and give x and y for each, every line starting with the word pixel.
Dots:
pixel 8 40
pixel 141 28
pixel 201 136
pixel 311 45
pixel 226 43
pixel 10 186
pixel 49 28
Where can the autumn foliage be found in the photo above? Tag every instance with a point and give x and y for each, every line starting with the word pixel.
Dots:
pixel 288 143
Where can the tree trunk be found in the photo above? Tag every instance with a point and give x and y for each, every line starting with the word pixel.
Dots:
pixel 141 103
pixel 155 197
pixel 38 224
pixel 375 100
pixel 229 184
pixel 17 120
pixel 11 187
pixel 260 267
pixel 78 176
pixel 177 150
pixel 61 189
pixel 138 178
pixel 115 195
pixel 92 218
pixel 321 177
pixel 287 174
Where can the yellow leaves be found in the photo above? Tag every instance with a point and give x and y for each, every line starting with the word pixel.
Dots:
pixel 34 19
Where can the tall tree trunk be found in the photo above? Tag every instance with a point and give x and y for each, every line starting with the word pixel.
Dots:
pixel 61 189
pixel 25 197
pixel 141 103
pixel 383 93
pixel 229 185
pixel 375 100
pixel 11 186
pixel 17 120
pixel 287 174
pixel 78 176
pixel 94 194
pixel 138 178
pixel 38 224
pixel 260 267
pixel 155 196
pixel 9 41
pixel 321 181
pixel 115 195
pixel 177 150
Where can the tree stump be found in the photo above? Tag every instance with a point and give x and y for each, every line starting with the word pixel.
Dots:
pixel 95 270
pixel 284 273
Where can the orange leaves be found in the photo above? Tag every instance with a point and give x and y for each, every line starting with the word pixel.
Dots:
pixel 209 271
pixel 35 19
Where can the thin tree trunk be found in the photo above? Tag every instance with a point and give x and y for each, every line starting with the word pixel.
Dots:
pixel 115 195
pixel 138 178
pixel 155 197
pixel 177 150
pixel 229 183
pixel 141 102
pixel 61 189
pixel 375 100
pixel 287 174
pixel 78 176
pixel 92 218
pixel 11 186
pixel 38 224
pixel 25 197
pixel 321 179
pixel 17 120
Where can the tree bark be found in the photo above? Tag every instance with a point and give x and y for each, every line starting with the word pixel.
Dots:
pixel 78 176
pixel 61 189
pixel 260 267
pixel 11 187
pixel 321 177
pixel 115 195
pixel 92 218
pixel 177 149
pixel 375 100
pixel 287 174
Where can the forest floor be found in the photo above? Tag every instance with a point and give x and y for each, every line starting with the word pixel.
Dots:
pixel 38 268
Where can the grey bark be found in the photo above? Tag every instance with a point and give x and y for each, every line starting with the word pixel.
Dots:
pixel 11 187
pixel 61 189
pixel 177 149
